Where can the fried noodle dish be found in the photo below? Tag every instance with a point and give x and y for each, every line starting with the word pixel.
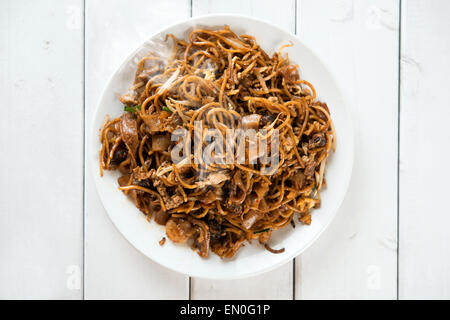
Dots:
pixel 225 81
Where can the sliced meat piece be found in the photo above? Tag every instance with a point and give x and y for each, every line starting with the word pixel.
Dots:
pixel 160 142
pixel 209 197
pixel 130 98
pixel 215 178
pixel 140 174
pixel 128 130
pixel 153 121
pixel 174 202
pixel 163 121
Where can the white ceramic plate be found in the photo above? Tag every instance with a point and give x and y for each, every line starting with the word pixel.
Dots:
pixel 252 259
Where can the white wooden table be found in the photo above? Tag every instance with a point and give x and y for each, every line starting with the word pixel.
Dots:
pixel 391 237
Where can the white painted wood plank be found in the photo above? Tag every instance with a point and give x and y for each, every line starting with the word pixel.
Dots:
pixel 424 172
pixel 280 13
pixel 114 269
pixel 356 256
pixel 41 139
pixel 275 284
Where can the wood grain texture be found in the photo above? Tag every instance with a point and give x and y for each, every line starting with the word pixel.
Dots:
pixel 280 13
pixel 424 172
pixel 41 205
pixel 356 257
pixel 114 269
pixel 41 141
pixel 275 284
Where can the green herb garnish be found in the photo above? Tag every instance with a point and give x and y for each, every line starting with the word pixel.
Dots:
pixel 166 109
pixel 263 230
pixel 132 108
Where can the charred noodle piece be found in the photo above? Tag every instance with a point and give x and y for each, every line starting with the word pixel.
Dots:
pixel 225 81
